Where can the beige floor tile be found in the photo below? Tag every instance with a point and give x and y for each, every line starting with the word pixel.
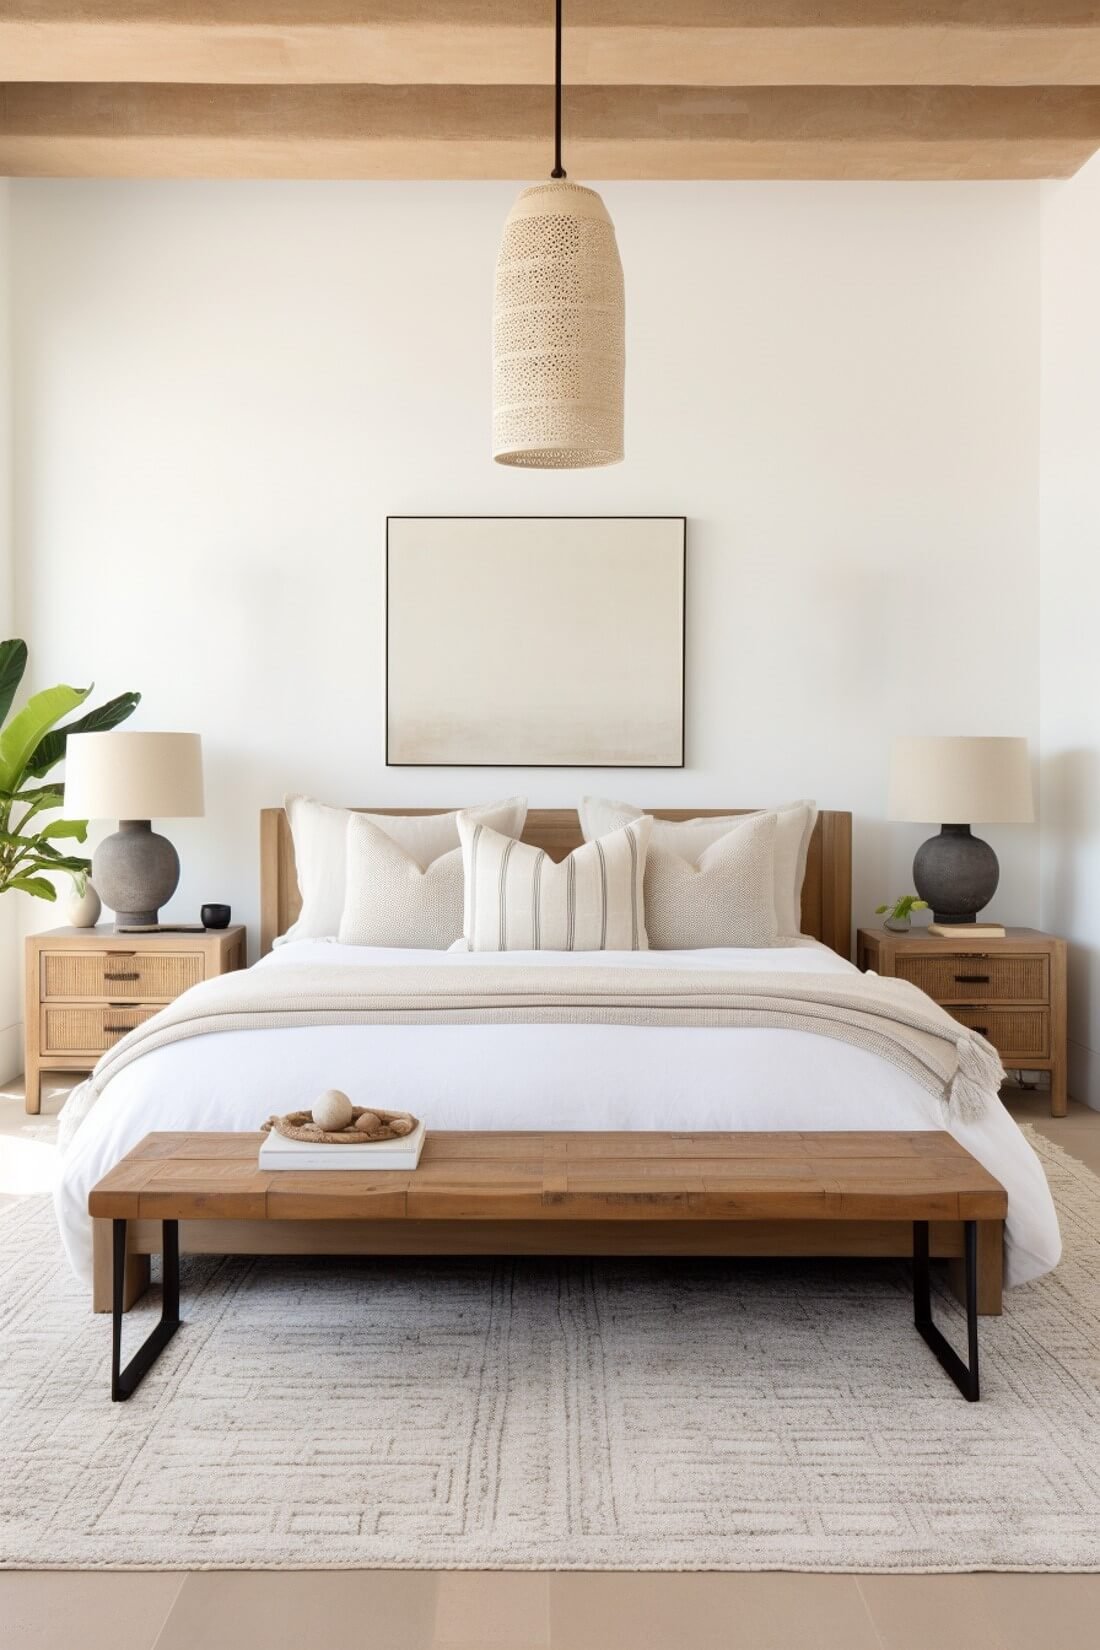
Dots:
pixel 1045 1612
pixel 1082 1143
pixel 84 1609
pixel 1078 1133
pixel 492 1610
pixel 933 1613
pixel 604 1611
pixel 13 1113
pixel 303 1610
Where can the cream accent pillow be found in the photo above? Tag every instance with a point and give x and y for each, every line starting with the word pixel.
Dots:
pixel 320 834
pixel 690 837
pixel 391 899
pixel 724 897
pixel 517 899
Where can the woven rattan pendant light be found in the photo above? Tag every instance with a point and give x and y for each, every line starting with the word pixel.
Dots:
pixel 558 324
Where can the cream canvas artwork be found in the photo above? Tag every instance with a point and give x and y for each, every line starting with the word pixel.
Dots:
pixel 535 641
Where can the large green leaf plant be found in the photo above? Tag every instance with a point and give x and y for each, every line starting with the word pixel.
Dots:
pixel 31 744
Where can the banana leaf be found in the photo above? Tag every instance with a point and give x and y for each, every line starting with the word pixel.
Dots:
pixel 63 827
pixel 31 793
pixel 13 662
pixel 49 855
pixel 24 732
pixel 71 864
pixel 38 886
pixel 51 747
pixel 48 797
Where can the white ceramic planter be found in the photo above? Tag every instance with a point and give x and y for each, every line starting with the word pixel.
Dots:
pixel 83 912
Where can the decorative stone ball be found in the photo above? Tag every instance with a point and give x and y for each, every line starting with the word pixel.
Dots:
pixel 369 1122
pixel 332 1110
pixel 401 1125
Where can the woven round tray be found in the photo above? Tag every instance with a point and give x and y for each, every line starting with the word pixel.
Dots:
pixel 389 1125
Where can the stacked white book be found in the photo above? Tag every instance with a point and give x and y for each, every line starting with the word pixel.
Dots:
pixel 277 1152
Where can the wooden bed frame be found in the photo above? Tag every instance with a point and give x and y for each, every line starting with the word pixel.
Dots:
pixel 826 915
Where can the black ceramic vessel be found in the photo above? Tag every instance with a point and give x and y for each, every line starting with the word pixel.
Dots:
pixel 215 916
pixel 957 874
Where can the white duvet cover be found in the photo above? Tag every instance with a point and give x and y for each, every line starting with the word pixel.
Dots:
pixel 542 1077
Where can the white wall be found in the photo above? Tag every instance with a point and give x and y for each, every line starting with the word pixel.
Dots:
pixel 222 389
pixel 11 1050
pixel 1070 563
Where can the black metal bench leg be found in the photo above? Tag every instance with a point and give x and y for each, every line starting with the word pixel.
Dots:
pixel 126 1381
pixel 965 1376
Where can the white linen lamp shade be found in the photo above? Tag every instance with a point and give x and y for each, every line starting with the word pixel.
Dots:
pixel 954 780
pixel 985 781
pixel 134 778
pixel 559 332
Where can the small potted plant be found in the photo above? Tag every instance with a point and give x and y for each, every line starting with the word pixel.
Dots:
pixel 900 919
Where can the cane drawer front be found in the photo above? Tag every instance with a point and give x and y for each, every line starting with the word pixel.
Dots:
pixel 974 978
pixel 1018 1034
pixel 88 1028
pixel 120 976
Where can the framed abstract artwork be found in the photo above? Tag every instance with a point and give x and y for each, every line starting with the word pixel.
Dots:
pixel 535 641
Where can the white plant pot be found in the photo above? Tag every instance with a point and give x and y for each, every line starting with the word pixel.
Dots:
pixel 83 912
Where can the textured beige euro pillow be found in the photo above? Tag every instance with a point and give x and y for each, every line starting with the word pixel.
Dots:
pixel 517 899
pixel 690 837
pixel 724 897
pixel 320 834
pixel 391 899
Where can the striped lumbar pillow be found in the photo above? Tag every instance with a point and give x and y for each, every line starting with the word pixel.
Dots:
pixel 517 899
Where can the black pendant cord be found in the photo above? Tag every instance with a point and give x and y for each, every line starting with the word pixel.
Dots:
pixel 559 169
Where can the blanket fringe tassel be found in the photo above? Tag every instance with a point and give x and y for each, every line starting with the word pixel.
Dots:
pixel 977 1081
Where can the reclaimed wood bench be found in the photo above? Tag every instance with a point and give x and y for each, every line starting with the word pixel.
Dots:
pixel 548 1193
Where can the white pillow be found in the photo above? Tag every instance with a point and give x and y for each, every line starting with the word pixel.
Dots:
pixel 517 899
pixel 689 838
pixel 320 834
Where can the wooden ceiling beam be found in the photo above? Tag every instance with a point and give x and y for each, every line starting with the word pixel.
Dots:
pixel 458 88
pixel 504 132
pixel 508 42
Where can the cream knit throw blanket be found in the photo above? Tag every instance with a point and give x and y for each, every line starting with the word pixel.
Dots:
pixel 888 1017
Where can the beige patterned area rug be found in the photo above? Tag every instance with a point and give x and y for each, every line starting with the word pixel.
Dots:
pixel 558 1415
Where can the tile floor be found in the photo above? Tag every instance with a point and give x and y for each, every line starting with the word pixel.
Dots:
pixel 482 1610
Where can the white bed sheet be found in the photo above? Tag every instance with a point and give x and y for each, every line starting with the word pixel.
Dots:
pixel 543 1077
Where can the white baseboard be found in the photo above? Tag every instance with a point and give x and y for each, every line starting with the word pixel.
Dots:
pixel 11 1053
pixel 1084 1074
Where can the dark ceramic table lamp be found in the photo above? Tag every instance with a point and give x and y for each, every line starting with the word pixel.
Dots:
pixel 134 778
pixel 956 782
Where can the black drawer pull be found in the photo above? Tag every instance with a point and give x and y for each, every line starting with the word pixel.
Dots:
pixel 983 1031
pixel 971 979
pixel 122 976
pixel 112 1031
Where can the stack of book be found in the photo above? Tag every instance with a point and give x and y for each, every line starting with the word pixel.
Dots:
pixel 277 1152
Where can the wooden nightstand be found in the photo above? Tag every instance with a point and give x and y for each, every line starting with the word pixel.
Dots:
pixel 1013 990
pixel 87 987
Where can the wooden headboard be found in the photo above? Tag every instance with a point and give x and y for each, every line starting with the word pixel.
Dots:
pixel 826 892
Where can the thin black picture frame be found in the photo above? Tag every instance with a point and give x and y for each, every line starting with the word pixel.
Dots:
pixel 647 767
